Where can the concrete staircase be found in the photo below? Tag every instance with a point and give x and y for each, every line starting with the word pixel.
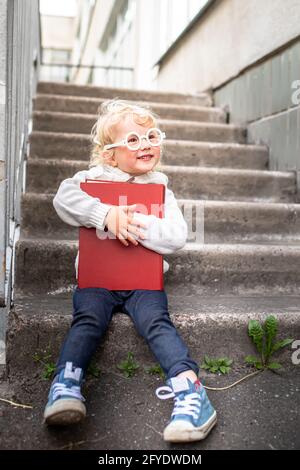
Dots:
pixel 248 267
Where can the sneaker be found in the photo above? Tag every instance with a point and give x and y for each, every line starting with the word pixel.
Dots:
pixel 193 416
pixel 65 402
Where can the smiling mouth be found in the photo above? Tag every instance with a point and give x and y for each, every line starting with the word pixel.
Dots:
pixel 145 157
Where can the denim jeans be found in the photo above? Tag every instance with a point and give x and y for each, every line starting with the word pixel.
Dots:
pixel 148 309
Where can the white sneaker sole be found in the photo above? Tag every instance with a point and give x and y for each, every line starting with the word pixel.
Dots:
pixel 65 412
pixel 183 431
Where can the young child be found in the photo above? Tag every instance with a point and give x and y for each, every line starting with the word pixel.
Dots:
pixel 127 145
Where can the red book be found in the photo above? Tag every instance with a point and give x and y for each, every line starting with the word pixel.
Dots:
pixel 107 262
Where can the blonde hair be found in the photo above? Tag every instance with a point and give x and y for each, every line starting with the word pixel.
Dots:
pixel 111 113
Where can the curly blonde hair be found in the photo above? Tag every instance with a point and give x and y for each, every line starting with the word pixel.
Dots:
pixel 111 112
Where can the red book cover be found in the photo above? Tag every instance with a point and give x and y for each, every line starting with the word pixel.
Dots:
pixel 106 262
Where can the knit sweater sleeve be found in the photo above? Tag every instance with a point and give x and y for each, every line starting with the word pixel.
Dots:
pixel 165 235
pixel 77 208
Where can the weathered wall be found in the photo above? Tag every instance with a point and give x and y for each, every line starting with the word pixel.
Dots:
pixel 231 35
pixel 19 59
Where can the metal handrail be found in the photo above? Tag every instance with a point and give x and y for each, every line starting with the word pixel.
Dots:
pixel 105 67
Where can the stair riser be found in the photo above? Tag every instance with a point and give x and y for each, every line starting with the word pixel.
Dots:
pixel 70 146
pixel 46 178
pixel 75 147
pixel 85 106
pixel 199 132
pixel 210 155
pixel 215 336
pixel 211 270
pixel 136 95
pixel 221 223
pixel 235 225
pixel 222 186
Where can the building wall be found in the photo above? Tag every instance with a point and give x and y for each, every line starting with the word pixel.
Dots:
pixel 3 87
pixel 248 53
pixel 86 15
pixel 19 57
pixel 131 34
pixel 228 38
pixel 58 32
pixel 58 39
pixel 267 97
pixel 109 43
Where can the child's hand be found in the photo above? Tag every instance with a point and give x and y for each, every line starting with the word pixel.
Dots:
pixel 119 220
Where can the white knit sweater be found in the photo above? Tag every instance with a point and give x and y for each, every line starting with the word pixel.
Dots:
pixel 77 208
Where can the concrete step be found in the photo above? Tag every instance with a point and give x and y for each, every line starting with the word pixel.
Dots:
pixel 52 88
pixel 85 105
pixel 186 182
pixel 216 221
pixel 209 325
pixel 218 154
pixel 175 152
pixel 48 266
pixel 183 130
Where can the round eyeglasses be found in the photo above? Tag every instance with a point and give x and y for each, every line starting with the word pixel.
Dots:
pixel 133 140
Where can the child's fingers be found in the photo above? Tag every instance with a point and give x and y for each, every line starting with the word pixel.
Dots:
pixel 130 220
pixel 125 234
pixel 122 239
pixel 136 232
pixel 132 240
pixel 129 209
pixel 136 222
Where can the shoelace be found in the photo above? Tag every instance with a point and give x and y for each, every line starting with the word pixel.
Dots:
pixel 190 404
pixel 62 389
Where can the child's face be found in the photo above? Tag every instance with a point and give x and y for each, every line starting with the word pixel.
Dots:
pixel 129 160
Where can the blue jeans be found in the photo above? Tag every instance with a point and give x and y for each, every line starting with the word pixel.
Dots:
pixel 148 309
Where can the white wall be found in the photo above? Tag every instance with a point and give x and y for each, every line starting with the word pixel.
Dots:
pixel 57 32
pixel 231 36
pixel 141 37
pixel 98 23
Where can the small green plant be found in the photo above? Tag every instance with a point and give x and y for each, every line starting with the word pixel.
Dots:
pixel 94 370
pixel 155 370
pixel 47 363
pixel 45 359
pixel 128 366
pixel 263 337
pixel 217 365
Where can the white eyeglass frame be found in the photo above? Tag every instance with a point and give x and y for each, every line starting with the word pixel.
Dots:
pixel 124 142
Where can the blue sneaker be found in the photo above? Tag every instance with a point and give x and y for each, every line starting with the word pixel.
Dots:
pixel 193 416
pixel 65 402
